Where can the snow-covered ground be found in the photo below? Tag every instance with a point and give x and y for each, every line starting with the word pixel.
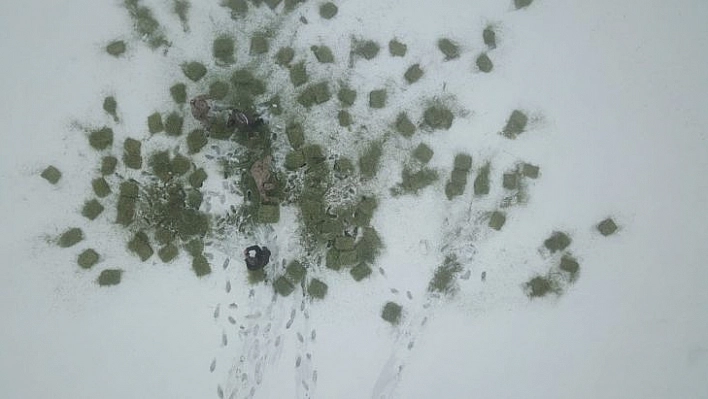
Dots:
pixel 616 95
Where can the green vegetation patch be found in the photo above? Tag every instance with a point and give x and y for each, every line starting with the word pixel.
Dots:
pixel 298 74
pixel 344 167
pixel 481 182
pixel 109 277
pixel 100 187
pixel 344 118
pixel 155 123
pixel 200 266
pixel 445 276
pixel 370 160
pixel 515 125
pixel 457 183
pixel 168 253
pixel 194 70
pixel 484 63
pixel 196 140
pixel 558 241
pixel 438 117
pixel 370 245
pixel 259 44
pixel 360 271
pixel 196 178
pixel 323 54
pixel 519 4
pixel 283 286
pixel 449 48
pixel 295 271
pixel 296 135
pixel 328 10
pixel 313 94
pixel 116 48
pixel 218 90
pixel 178 91
pixel 246 87
pixel 268 213
pixel 101 139
pixel 541 286
pixel 87 258
pixel 238 8
pixel 510 181
pixel 391 312
pixel 607 227
pixel 463 162
pixel 413 74
pixel 195 247
pixel 396 48
pixel 140 245
pixel 51 174
pixel 344 243
pixel 284 56
pixel 145 24
pixel 92 209
pixel 347 96
pixel 127 197
pixel 530 171
pixel 70 237
pixel 368 49
pixel 173 124
pixel 180 165
pixel 414 181
pixel 223 50
pixel 489 37
pixel 108 165
pixel 423 153
pixel 110 105
pixel 317 289
pixel 570 265
pixel 181 8
pixel 294 160
pixel 132 157
pixel 497 220
pixel 377 98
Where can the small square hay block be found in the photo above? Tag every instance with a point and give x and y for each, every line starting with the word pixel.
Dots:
pixel 344 243
pixel 51 174
pixel 109 277
pixel 344 118
pixel 607 227
pixel 529 170
pixel 396 48
pixel 87 258
pixel 295 271
pixel 404 126
pixel 377 98
pixel 108 165
pixel 449 48
pixel 101 139
pixel 540 286
pixel 497 220
pixel 317 289
pixel 126 203
pixel 314 94
pixel 296 135
pixel 116 48
pixel 218 90
pixel 140 245
pixel 259 44
pixel 413 74
pixel 391 312
pixel 510 181
pixel 515 125
pixel 294 160
pixel 168 253
pixel 92 209
pixel 110 105
pixel 360 271
pixel 155 123
pixel 519 4
pixel 370 160
pixel 368 49
pixel 347 96
pixel 298 74
pixel 423 153
pixel 484 63
pixel 70 237
pixel 284 56
pixel 438 117
pixel 459 177
pixel 328 10
pixel 481 182
pixel 323 54
pixel 200 266
pixel 132 154
pixel 489 37
pixel 570 264
pixel 196 178
pixel 194 247
pixel 558 241
pixel 178 92
pixel 100 187
pixel 463 162
pixel 173 124
pixel 180 165
pixel 196 140
pixel 283 287
pixel 194 70
pixel 223 50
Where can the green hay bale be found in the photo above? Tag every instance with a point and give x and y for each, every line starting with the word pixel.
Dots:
pixel 145 24
pixel 110 105
pixel 100 187
pixel 131 154
pixel 413 74
pixel 87 258
pixel 161 165
pixel 284 56
pixel 369 246
pixel 295 271
pixel 445 276
pixel 180 165
pixel 449 48
pixel 238 8
pixel 194 247
pixel 140 245
pixel 108 165
pixel 256 276
pixel 397 49
pixel 510 181
pixel 344 118
pixel 70 237
pixel 515 125
pixel 259 44
pixel 328 10
pixel 529 170
pixel 377 98
pixel 194 70
pixel 540 286
pixel 332 259
pixel 329 229
pixel 481 182
pixel 168 253
pixel 101 139
pixel 194 199
pixel 116 48
pixel 128 194
pixel 155 123
pixel 404 126
pixel 223 51
pixel 519 4
pixel 283 287
pixel 344 243
pixel 489 37
pixel 412 182
pixel 364 211
pixel 570 265
pixel 296 135
pixel 344 166
pixel 181 8
pixel 454 190
pixel 323 54
pixel 92 209
pixel 298 74
pixel 558 241
pixel 370 160
pixel 360 271
pixel 423 153
pixel 294 160
pixel 391 312
pixel 317 289
pixel 368 49
pixel 200 266
pixel 178 92
pixel 314 154
pixel 218 90
pixel 196 140
pixel 347 96
pixel 459 177
pixel 272 4
pixel 497 220
pixel 463 162
pixel 163 236
pixel 173 124
pixel 607 227
pixel 268 214
pixel 484 63
pixel 317 93
pixel 109 277
pixel 438 117
pixel 51 174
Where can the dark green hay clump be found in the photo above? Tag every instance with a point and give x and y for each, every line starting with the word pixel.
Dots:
pixel 196 140
pixel 423 153
pixel 257 276
pixel 92 209
pixel 100 187
pixel 497 220
pixel 173 124
pixel 70 237
pixel 196 178
pixel 194 70
pixel 283 286
pixel 178 91
pixel 140 245
pixel 489 37
pixel 570 265
pixel 541 286
pixel 457 184
pixel 370 160
pixel 391 312
pixel 317 289
pixel 298 74
pixel 367 49
pixel 370 245
pixel 109 277
pixel 360 271
pixel 295 271
pixel 200 266
pixel 294 160
pixel 344 118
pixel 481 182
pixel 529 170
pixel 314 94
pixel 219 90
pixel 87 258
pixel 558 241
pixel 414 181
pixel 168 253
pixel 519 4
pixel 463 162
pixel 484 63
pixel 396 48
pixel 438 117
pixel 259 44
pixel 268 214
pixel 413 74
pixel 347 96
pixel 238 8
pixel 154 122
pixel 128 195
pixel 510 181
pixel 296 135
pixel 181 8
pixel 515 125
pixel 449 48
pixel 328 10
pixel 146 25
pixel 132 157
pixel 108 165
pixel 195 247
pixel 101 139
pixel 110 105
pixel 51 174
pixel 284 56
pixel 323 54
pixel 377 98
pixel 343 167
pixel 607 227
pixel 445 276
pixel 116 48
pixel 246 88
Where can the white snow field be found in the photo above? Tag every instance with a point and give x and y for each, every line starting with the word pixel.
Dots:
pixel 615 93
